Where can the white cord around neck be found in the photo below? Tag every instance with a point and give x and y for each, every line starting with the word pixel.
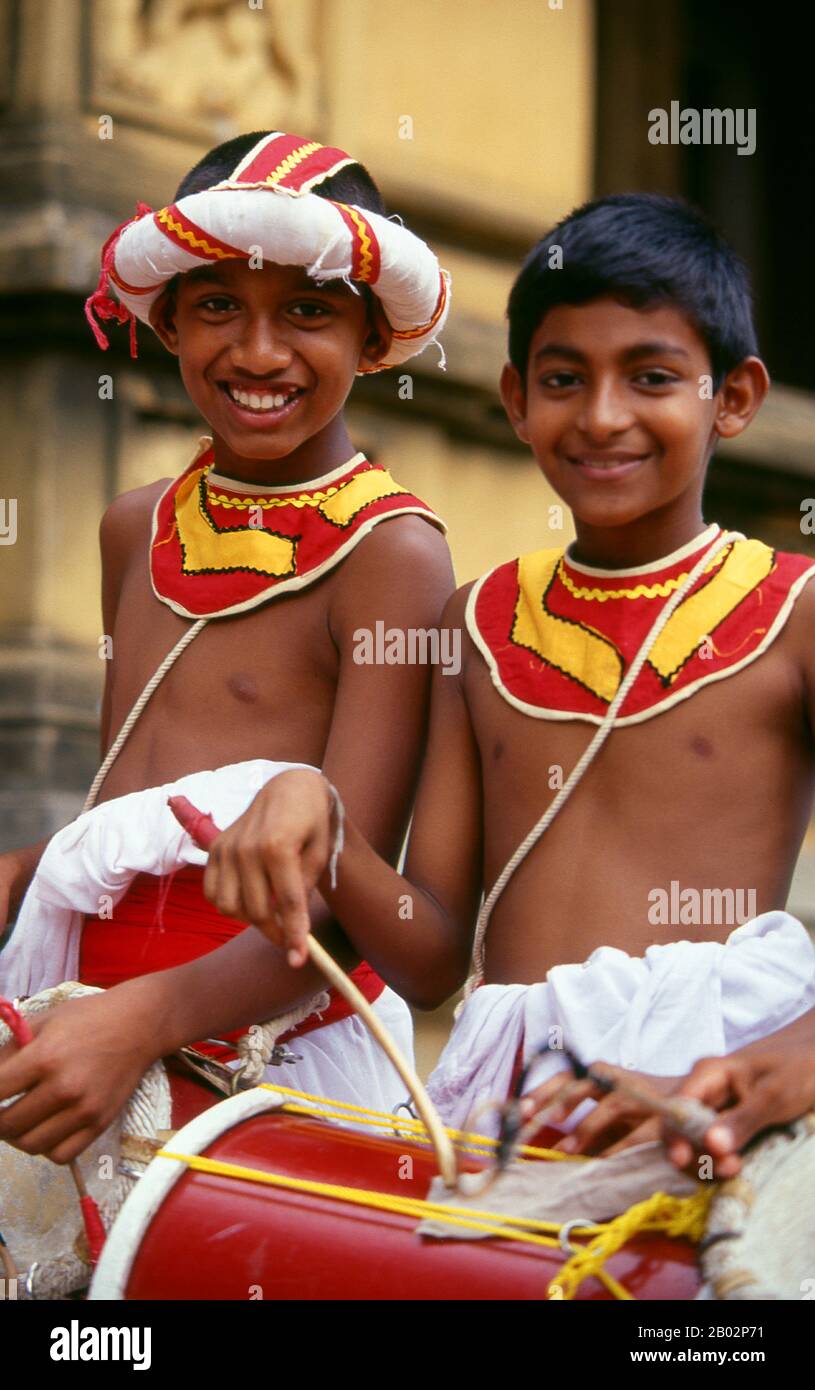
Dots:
pixel 119 741
pixel 585 761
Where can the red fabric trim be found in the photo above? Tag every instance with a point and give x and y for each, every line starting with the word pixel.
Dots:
pixel 195 234
pixel 369 984
pixel 409 333
pixel 366 257
pixel 161 923
pixel 313 168
pixel 100 301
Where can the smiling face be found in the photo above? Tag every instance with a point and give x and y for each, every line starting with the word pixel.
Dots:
pixel 269 358
pixel 612 410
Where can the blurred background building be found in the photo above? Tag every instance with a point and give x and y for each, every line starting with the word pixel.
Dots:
pixel 483 124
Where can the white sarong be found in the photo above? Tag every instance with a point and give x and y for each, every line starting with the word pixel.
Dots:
pixel 90 864
pixel 658 1013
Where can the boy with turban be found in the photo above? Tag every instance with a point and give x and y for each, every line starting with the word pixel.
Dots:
pixel 232 594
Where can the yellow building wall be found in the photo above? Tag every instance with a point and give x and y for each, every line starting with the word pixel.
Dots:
pixel 500 99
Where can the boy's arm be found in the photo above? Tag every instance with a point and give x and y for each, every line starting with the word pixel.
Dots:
pixel 401 575
pixel 416 929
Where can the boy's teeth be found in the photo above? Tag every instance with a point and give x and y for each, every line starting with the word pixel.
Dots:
pixel 606 463
pixel 254 401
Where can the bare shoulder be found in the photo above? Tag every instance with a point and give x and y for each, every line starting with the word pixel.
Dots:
pixel 402 565
pixel 399 541
pixel 801 621
pixel 453 622
pixel 125 524
pixel 125 518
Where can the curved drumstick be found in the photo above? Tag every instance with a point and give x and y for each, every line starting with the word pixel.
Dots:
pixel 202 830
pixel 18 1026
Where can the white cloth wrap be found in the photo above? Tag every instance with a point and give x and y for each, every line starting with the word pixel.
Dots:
pixel 301 230
pixel 343 1061
pixel 657 1013
pixel 100 853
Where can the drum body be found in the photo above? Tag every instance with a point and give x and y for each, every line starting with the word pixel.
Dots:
pixel 186 1234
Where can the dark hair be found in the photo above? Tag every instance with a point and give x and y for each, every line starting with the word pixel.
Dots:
pixel 643 249
pixel 353 184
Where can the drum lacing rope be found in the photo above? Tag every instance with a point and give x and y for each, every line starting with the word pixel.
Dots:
pixel 256 1047
pixel 403 1126
pixel 586 759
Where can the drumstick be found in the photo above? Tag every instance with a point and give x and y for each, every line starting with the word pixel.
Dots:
pixel 91 1218
pixel 202 830
pixel 690 1118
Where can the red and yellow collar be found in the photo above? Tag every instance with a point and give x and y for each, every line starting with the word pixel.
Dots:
pixel 221 547
pixel 559 636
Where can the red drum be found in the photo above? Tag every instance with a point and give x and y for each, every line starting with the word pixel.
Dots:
pixel 186 1234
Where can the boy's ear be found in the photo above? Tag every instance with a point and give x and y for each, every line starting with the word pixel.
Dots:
pixel 740 396
pixel 162 319
pixel 379 335
pixel 513 396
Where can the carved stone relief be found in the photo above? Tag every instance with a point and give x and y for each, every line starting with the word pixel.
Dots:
pixel 206 68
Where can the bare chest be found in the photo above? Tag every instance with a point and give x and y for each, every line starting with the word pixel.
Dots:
pixel 730 749
pixel 260 684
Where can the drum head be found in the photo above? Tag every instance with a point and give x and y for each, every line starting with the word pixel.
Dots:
pixel 39 1209
pixel 760 1240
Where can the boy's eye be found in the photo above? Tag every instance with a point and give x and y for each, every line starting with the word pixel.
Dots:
pixel 309 309
pixel 656 377
pixel 559 379
pixel 216 303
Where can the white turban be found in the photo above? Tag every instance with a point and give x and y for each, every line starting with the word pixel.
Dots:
pixel 266 209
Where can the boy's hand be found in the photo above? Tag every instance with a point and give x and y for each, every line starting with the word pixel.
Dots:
pixel 263 868
pixel 768 1083
pixel 79 1072
pixel 617 1122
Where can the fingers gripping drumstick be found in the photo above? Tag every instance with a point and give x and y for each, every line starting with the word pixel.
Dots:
pixel 687 1117
pixel 202 830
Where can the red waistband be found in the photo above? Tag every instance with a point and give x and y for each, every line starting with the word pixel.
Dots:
pixel 164 922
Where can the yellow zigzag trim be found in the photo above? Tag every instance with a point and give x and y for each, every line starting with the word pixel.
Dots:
pixel 241 503
pixel 198 242
pixel 364 242
pixel 292 160
pixel 658 590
